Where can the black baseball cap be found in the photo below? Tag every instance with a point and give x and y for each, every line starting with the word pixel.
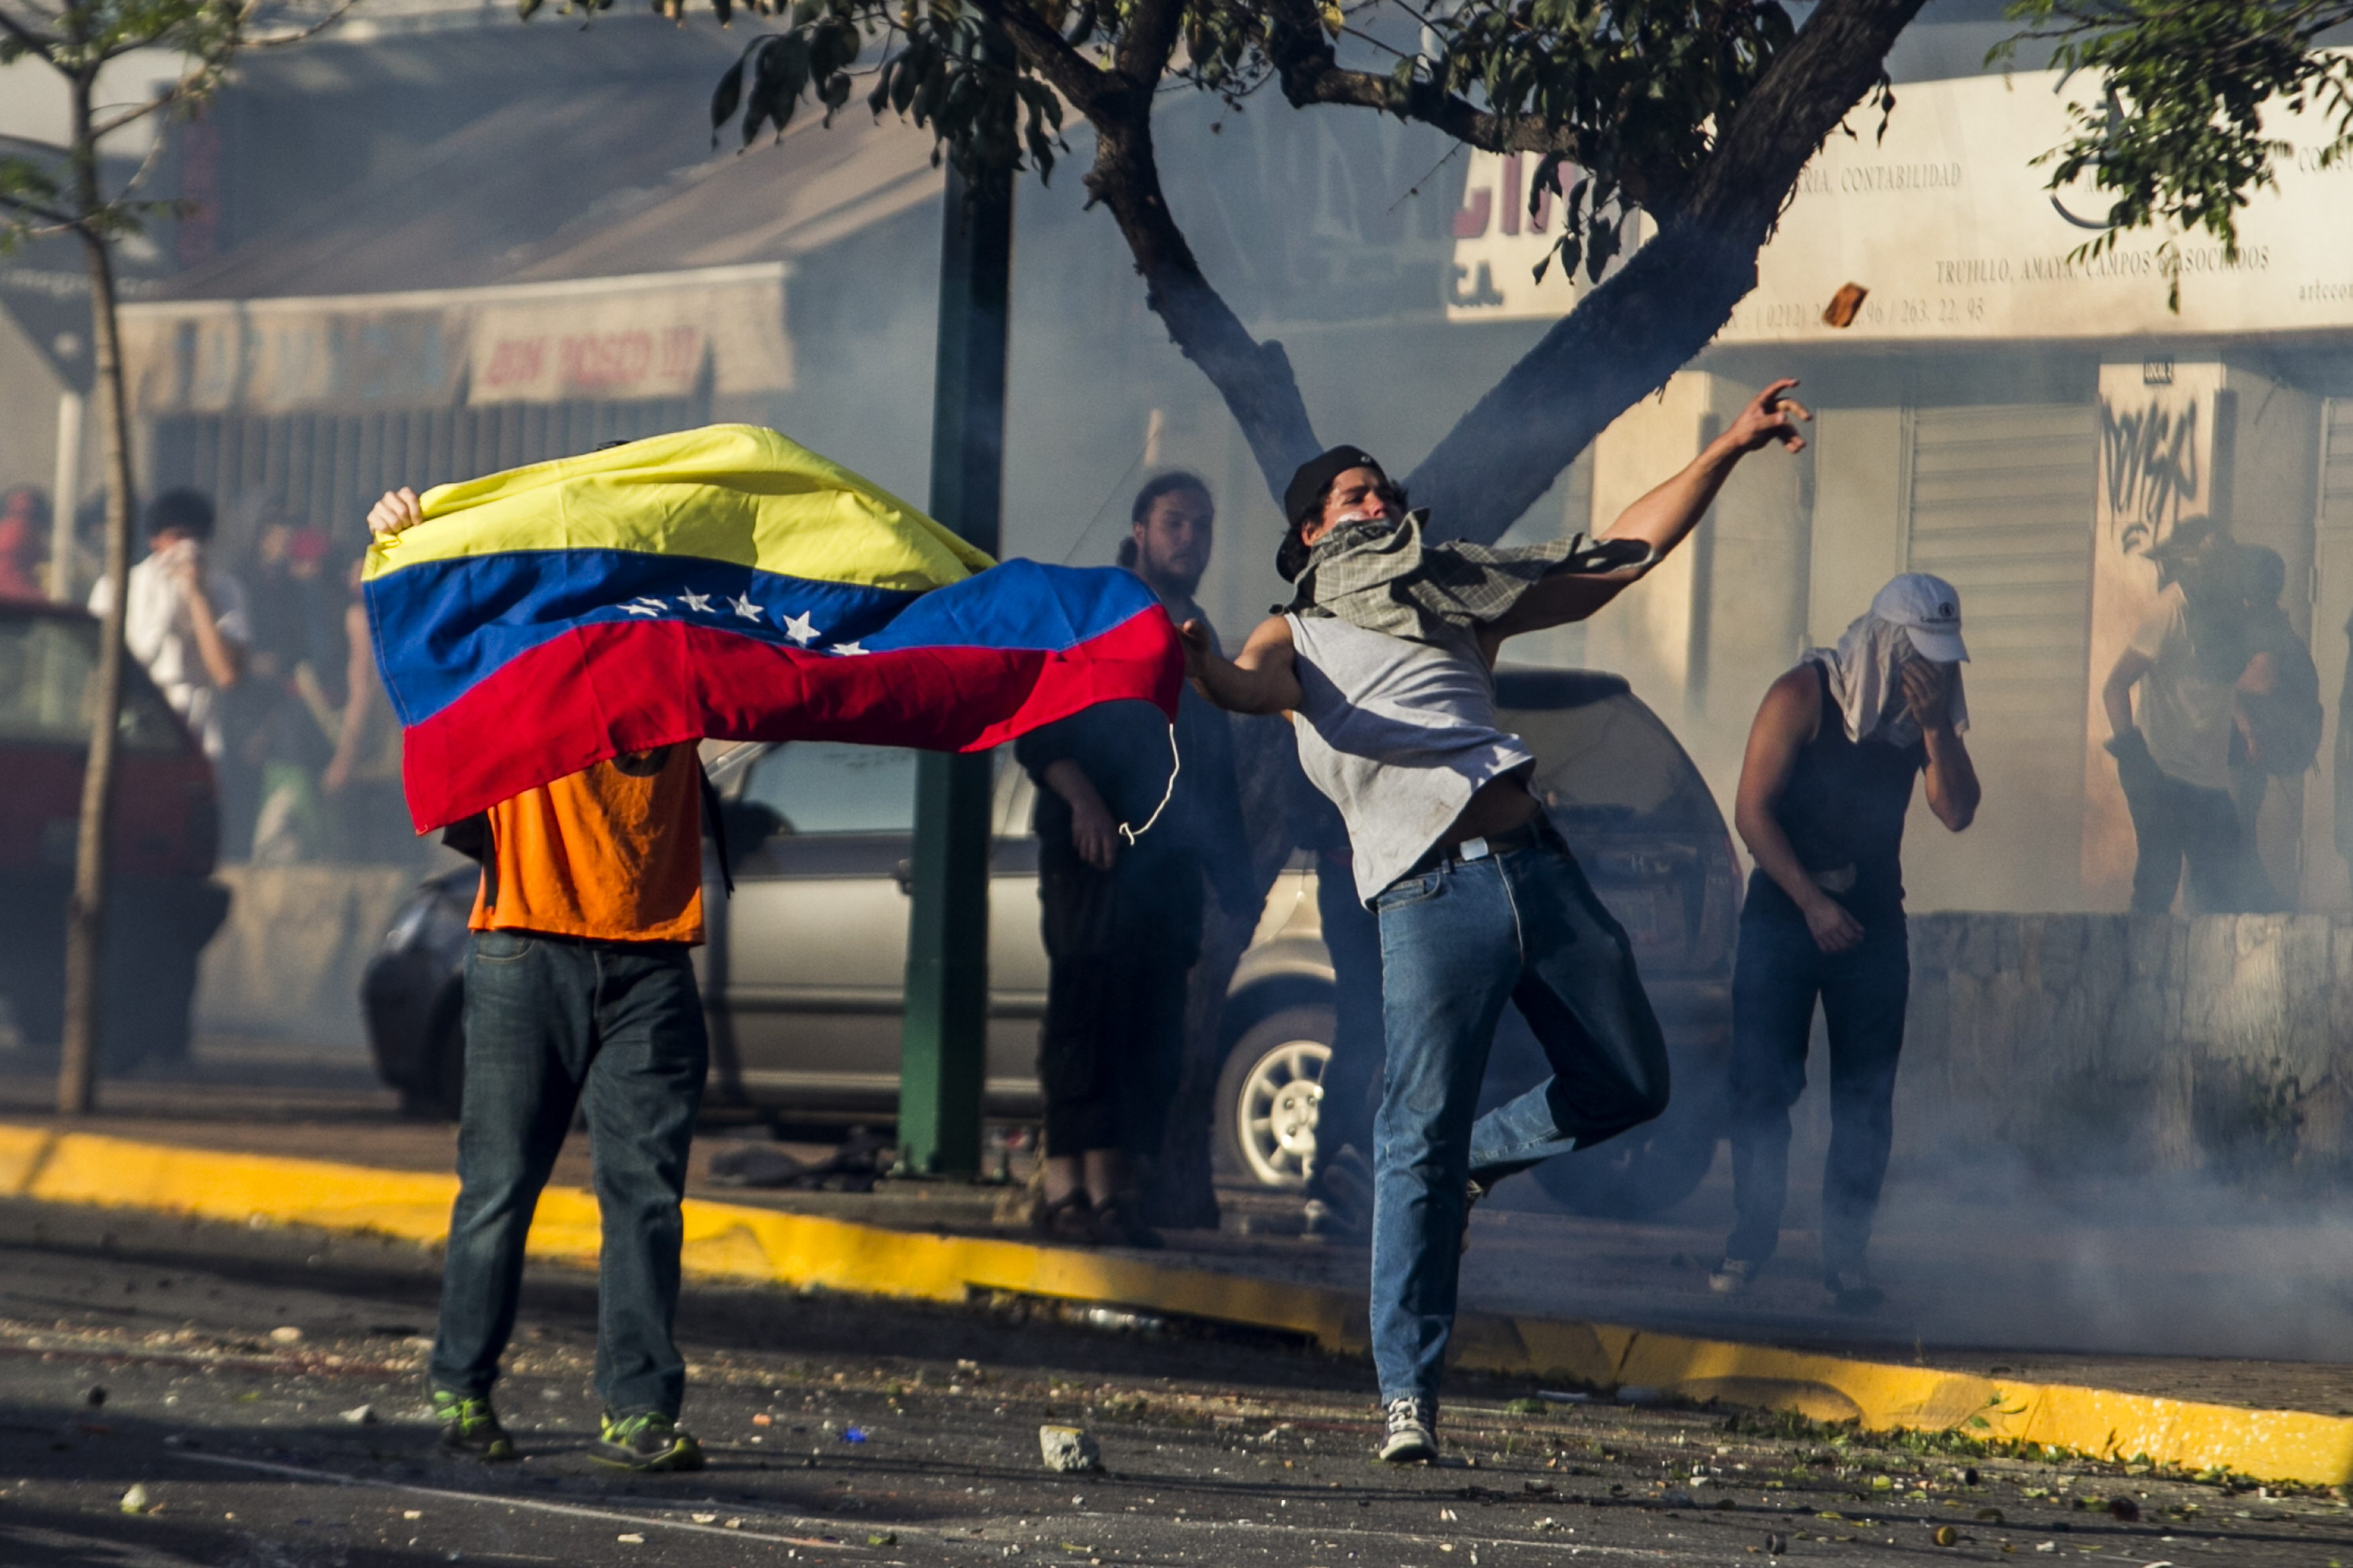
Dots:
pixel 1299 496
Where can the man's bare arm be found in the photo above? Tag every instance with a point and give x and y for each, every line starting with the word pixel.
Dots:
pixel 1094 832
pixel 1785 720
pixel 1665 517
pixel 1261 678
pixel 1953 789
pixel 224 659
pixel 2115 693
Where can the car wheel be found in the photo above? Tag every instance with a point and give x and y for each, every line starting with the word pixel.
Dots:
pixel 1636 1174
pixel 1268 1097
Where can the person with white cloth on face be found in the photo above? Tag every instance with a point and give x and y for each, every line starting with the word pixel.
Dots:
pixel 185 620
pixel 1824 789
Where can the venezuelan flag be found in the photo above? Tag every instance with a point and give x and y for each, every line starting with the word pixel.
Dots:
pixel 723 582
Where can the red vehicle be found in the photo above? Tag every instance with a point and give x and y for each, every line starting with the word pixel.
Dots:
pixel 162 905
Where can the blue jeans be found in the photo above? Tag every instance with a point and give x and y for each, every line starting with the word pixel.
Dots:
pixel 1775 981
pixel 552 1023
pixel 1456 944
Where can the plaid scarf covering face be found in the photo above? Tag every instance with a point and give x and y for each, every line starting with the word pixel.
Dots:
pixel 1383 576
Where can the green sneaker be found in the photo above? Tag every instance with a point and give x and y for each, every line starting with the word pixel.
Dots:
pixel 470 1427
pixel 647 1442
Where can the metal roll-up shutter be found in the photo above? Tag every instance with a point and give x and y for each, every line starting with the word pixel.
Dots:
pixel 2002 506
pixel 328 469
pixel 2002 509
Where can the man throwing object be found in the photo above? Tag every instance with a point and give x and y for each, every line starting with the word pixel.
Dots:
pixel 1386 655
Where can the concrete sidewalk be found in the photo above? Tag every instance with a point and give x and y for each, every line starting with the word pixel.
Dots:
pixel 1600 1304
pixel 2247 1308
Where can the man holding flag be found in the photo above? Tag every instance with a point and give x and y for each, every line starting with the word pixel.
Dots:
pixel 556 639
pixel 578 990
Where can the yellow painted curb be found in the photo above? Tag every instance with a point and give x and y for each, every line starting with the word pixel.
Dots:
pixel 737 1242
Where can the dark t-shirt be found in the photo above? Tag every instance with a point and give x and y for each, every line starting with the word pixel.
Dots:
pixel 1843 810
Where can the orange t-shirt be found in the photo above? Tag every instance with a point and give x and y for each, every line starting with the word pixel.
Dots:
pixel 613 852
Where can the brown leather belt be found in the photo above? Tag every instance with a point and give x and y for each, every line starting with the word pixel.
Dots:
pixel 1535 830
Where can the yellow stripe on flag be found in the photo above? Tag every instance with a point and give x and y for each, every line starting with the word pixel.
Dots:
pixel 735 493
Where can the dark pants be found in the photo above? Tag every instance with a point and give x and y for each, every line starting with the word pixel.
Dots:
pixel 1778 978
pixel 551 1023
pixel 1457 945
pixel 1352 1080
pixel 1119 946
pixel 2179 824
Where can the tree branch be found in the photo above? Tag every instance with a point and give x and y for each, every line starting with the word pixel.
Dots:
pixel 1255 379
pixel 1150 39
pixel 1625 338
pixel 1083 85
pixel 300 34
pixel 102 129
pixel 35 43
pixel 36 210
pixel 1310 74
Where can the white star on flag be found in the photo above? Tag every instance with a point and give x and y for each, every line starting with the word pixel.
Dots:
pixel 699 603
pixel 845 647
pixel 644 606
pixel 745 608
pixel 801 628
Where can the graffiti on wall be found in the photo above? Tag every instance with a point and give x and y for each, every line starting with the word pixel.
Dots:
pixel 2157 470
pixel 2152 469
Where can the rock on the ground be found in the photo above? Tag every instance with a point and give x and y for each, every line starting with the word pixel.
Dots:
pixel 1068 1448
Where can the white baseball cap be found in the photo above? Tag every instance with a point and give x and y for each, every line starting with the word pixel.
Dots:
pixel 1929 609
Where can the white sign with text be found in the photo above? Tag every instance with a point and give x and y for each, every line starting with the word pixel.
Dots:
pixel 1947 222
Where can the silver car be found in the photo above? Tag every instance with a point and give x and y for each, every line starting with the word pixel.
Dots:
pixel 805 967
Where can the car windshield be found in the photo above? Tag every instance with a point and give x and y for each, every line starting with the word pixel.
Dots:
pixel 45 665
pixel 1610 761
pixel 831 786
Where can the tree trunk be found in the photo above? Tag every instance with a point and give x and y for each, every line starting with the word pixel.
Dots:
pixel 1255 379
pixel 1625 338
pixel 1619 344
pixel 86 909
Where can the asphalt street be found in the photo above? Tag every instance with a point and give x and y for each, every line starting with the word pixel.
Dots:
pixel 262 1388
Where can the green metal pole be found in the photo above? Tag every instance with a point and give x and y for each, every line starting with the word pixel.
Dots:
pixel 943 1040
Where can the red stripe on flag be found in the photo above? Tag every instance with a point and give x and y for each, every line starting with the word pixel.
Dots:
pixel 607 688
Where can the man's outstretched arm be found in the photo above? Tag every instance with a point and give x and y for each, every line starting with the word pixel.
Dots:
pixel 1665 517
pixel 1261 678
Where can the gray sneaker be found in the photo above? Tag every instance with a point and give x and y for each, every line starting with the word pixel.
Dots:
pixel 1413 1431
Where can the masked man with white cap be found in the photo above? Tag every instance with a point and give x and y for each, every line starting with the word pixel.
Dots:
pixel 1824 790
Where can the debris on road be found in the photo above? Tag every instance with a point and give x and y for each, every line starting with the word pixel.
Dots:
pixel 359 1415
pixel 1067 1449
pixel 135 1500
pixel 287 1334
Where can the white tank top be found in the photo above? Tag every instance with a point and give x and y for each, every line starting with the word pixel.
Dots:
pixel 1400 734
